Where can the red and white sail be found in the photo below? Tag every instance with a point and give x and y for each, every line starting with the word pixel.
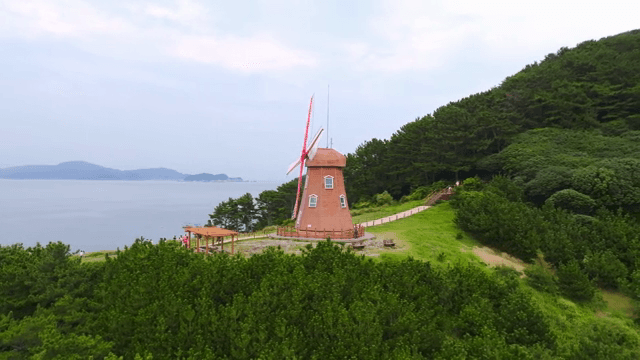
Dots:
pixel 307 153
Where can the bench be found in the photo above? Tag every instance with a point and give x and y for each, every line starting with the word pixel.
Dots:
pixel 388 242
pixel 358 245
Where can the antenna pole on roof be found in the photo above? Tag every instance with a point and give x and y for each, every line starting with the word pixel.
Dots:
pixel 327 115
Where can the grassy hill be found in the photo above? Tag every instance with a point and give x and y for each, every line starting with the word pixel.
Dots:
pixel 433 236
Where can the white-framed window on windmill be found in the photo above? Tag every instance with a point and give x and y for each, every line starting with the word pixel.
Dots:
pixel 313 200
pixel 328 182
pixel 343 201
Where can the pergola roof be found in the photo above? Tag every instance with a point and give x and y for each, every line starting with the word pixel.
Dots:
pixel 210 231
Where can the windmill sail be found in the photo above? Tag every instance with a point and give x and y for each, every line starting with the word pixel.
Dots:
pixel 293 166
pixel 313 147
pixel 303 156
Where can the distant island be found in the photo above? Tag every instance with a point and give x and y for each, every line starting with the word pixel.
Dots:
pixel 82 170
pixel 210 177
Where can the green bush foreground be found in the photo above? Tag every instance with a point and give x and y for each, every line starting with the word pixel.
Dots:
pixel 164 302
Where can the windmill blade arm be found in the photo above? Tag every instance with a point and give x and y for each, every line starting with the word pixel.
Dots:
pixel 293 166
pixel 315 139
pixel 313 147
pixel 295 208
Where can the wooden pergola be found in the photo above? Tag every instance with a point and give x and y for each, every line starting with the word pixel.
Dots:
pixel 213 233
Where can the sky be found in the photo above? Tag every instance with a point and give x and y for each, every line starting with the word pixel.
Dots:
pixel 224 86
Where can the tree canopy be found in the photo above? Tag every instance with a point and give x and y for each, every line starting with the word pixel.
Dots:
pixel 165 302
pixel 594 86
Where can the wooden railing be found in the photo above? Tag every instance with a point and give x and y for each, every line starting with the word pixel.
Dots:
pixel 443 194
pixel 357 232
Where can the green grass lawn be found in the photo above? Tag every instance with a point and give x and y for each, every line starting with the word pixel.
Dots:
pixel 617 303
pixel 368 214
pixel 97 255
pixel 430 235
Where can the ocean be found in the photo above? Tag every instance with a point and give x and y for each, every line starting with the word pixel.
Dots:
pixel 105 215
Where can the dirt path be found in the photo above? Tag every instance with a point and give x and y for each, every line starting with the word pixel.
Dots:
pixel 493 259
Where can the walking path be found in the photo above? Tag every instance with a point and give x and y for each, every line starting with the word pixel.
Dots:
pixel 384 220
pixel 394 217
pixel 401 215
pixel 432 199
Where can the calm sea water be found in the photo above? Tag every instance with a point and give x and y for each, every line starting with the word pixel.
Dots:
pixel 105 215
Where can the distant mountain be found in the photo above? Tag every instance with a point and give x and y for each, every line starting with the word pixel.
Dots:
pixel 210 177
pixel 81 170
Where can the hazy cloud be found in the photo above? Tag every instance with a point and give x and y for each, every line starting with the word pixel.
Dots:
pixel 186 34
pixel 131 84
pixel 245 54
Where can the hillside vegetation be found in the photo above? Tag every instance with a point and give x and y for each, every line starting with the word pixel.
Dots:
pixel 165 302
pixel 594 86
pixel 561 140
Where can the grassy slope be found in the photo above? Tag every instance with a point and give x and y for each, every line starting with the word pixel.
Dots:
pixel 97 255
pixel 368 214
pixel 426 235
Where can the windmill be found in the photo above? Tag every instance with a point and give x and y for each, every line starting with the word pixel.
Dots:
pixel 307 153
pixel 322 210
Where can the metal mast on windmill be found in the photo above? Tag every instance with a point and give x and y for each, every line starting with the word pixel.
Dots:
pixel 307 153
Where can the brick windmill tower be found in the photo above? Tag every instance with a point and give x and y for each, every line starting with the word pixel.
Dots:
pixel 323 208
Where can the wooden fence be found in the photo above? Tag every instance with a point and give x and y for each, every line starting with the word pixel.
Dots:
pixel 357 232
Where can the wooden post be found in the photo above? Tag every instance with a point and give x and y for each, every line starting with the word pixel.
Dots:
pixel 222 245
pixel 231 244
pixel 206 241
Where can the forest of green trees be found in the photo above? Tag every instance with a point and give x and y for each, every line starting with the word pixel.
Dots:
pixel 593 87
pixel 271 207
pixel 550 164
pixel 166 302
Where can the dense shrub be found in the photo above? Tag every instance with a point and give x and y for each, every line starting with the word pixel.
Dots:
pixel 383 198
pixel 509 226
pixel 574 283
pixel 540 278
pixel 163 301
pixel 606 244
pixel 473 184
pixel 572 200
pixel 600 340
pixel 362 205
pixel 506 188
pixel 605 268
pixel 167 302
pixel 548 181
